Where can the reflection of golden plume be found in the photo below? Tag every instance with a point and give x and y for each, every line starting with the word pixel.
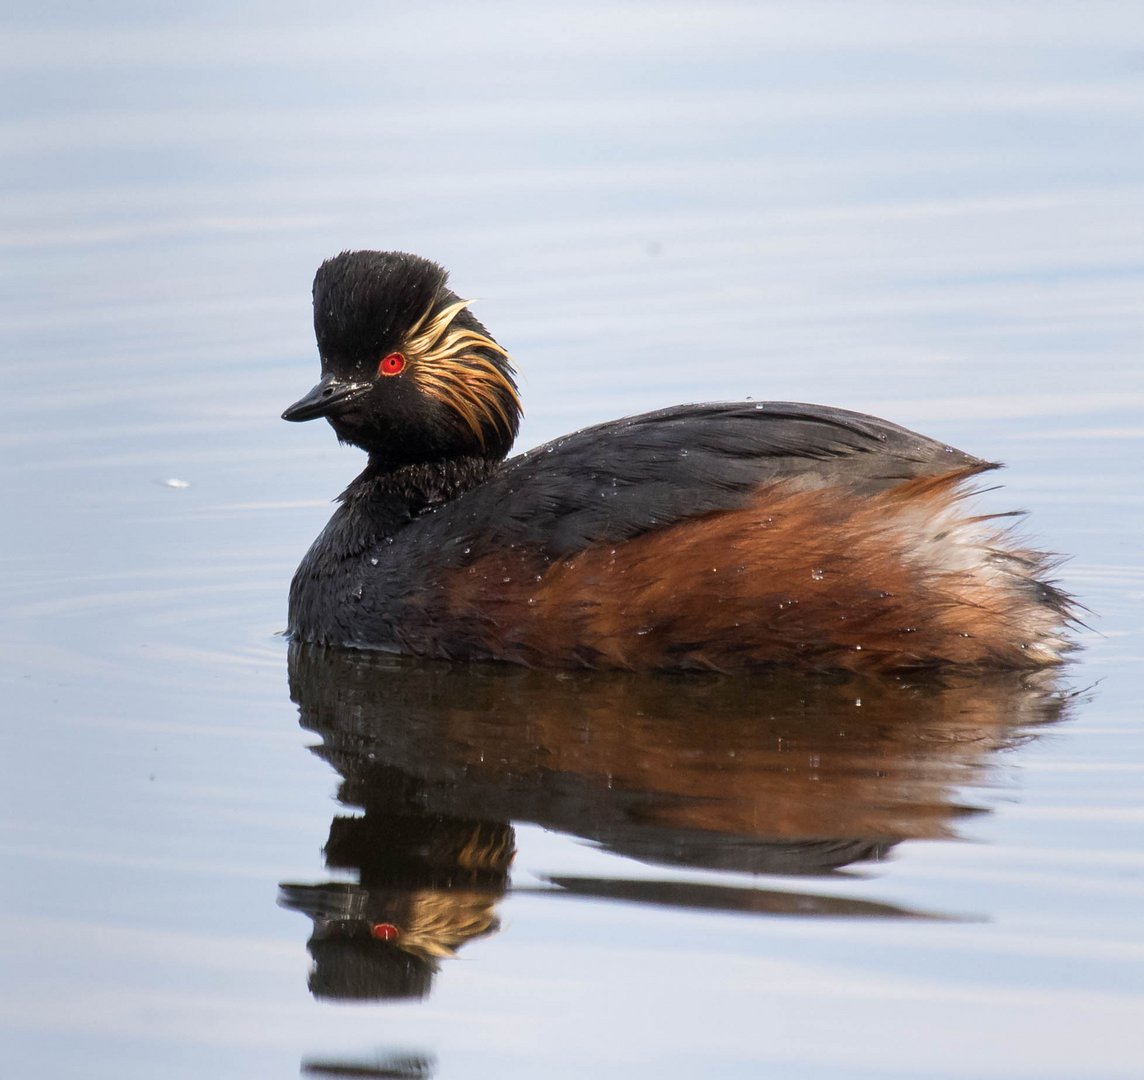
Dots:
pixel 442 920
pixel 449 366
pixel 484 854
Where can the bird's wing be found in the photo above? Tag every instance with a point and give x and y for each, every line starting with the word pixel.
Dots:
pixel 611 482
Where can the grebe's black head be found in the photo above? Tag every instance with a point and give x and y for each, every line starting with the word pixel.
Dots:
pixel 407 372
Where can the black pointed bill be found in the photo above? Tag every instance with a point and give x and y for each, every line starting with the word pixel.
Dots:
pixel 325 398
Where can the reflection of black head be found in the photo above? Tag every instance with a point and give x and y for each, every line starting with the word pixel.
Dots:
pixel 360 969
pixel 426 887
pixel 353 961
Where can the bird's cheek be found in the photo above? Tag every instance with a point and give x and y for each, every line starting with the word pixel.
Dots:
pixel 345 424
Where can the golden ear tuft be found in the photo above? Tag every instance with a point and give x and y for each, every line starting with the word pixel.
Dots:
pixel 448 364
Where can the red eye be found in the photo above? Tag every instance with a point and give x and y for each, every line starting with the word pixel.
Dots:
pixel 393 364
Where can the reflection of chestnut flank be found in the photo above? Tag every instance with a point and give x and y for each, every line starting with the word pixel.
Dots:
pixel 762 772
pixel 720 536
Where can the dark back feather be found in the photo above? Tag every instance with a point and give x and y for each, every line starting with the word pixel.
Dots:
pixel 609 483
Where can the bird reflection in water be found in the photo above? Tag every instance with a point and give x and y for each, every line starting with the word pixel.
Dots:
pixel 760 774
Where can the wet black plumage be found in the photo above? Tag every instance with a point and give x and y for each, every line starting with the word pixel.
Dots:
pixel 564 555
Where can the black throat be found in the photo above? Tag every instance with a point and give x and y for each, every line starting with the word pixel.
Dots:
pixel 383 499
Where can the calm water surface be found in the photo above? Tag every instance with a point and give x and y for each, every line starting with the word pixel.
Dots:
pixel 210 840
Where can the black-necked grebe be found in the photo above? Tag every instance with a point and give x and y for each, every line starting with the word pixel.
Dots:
pixel 716 536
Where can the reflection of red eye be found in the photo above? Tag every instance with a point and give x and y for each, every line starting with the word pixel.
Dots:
pixel 393 364
pixel 384 931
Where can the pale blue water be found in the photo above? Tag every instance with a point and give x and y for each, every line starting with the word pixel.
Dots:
pixel 936 215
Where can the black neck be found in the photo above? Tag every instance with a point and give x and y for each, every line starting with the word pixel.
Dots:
pixel 390 497
pixel 382 501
